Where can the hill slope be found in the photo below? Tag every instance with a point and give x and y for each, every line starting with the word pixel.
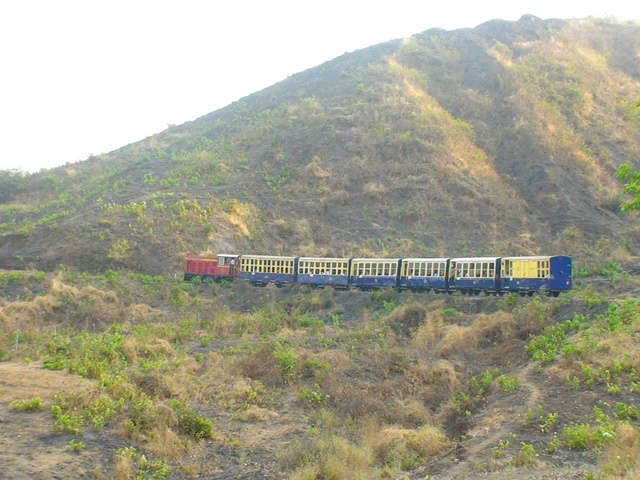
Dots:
pixel 500 139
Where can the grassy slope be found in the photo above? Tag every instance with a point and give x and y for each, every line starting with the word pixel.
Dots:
pixel 260 383
pixel 496 140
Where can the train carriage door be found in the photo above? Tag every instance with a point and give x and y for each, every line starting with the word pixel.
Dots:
pixel 232 267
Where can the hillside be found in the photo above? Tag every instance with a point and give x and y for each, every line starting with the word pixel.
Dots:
pixel 501 139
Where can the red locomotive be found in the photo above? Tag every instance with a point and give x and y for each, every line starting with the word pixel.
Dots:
pixel 220 267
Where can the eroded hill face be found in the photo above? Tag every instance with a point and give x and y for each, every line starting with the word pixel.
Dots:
pixel 502 139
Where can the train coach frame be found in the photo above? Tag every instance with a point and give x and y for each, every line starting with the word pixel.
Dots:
pixel 374 273
pixel 261 270
pixel 320 272
pixel 424 274
pixel 473 275
pixel 527 275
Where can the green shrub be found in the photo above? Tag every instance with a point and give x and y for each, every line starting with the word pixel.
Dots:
pixel 35 403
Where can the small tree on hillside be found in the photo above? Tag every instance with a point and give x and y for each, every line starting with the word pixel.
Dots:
pixel 632 187
pixel 11 183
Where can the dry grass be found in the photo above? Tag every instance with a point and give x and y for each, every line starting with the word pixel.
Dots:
pixel 487 335
pixel 84 307
pixel 405 447
pixel 124 468
pixel 429 334
pixel 166 443
pixel 439 380
pixel 374 190
pixel 621 458
pixel 257 414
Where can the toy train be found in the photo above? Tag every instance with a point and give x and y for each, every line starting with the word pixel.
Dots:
pixel 550 275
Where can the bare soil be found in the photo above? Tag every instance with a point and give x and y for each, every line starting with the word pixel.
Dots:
pixel 29 448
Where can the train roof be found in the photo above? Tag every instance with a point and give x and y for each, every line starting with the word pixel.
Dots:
pixel 475 259
pixel 375 259
pixel 277 257
pixel 324 259
pixel 532 257
pixel 423 259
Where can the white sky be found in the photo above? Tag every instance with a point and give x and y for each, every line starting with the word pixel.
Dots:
pixel 82 77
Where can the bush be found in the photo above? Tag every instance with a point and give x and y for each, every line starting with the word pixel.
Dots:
pixel 27 405
pixel 12 182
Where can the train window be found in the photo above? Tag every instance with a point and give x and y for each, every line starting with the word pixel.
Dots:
pixel 543 269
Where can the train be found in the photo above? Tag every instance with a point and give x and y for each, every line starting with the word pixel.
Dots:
pixel 525 275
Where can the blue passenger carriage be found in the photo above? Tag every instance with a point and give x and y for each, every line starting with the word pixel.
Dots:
pixel 263 269
pixel 372 273
pixel 473 275
pixel 318 272
pixel 525 275
pixel 424 274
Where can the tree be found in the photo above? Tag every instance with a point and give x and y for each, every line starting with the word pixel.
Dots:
pixel 11 183
pixel 632 187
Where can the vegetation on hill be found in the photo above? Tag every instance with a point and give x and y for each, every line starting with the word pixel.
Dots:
pixel 192 379
pixel 503 139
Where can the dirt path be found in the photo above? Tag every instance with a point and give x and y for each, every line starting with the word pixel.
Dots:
pixel 492 426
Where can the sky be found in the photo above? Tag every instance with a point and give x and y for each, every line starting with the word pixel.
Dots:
pixel 85 77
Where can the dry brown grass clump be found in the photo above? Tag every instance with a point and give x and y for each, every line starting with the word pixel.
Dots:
pixel 621 458
pixel 86 308
pixel 406 447
pixel 488 337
